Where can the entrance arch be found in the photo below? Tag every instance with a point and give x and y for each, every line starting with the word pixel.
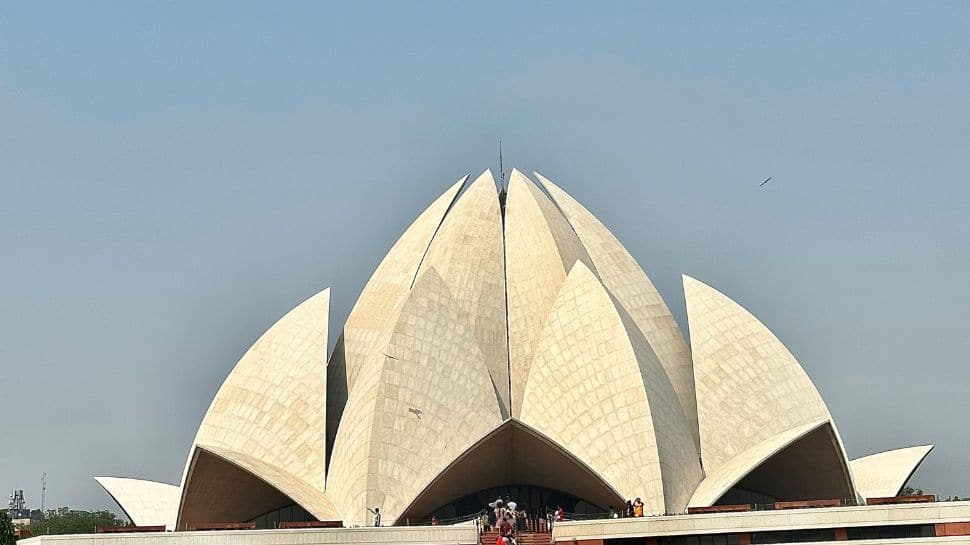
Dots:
pixel 514 454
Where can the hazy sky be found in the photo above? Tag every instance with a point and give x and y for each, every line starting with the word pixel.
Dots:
pixel 176 176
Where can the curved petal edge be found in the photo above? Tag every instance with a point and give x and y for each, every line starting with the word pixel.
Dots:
pixel 632 288
pixel 749 386
pixel 272 406
pixel 540 250
pixel 716 484
pixel 884 474
pixel 146 503
pixel 596 388
pixel 429 403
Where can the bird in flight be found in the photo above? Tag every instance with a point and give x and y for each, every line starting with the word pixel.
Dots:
pixel 417 412
pixel 768 179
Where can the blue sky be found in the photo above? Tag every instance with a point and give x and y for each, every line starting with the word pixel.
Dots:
pixel 175 176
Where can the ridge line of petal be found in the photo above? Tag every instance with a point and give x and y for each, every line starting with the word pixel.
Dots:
pixel 541 248
pixel 287 362
pixel 575 390
pixel 736 357
pixel 632 288
pixel 144 502
pixel 717 483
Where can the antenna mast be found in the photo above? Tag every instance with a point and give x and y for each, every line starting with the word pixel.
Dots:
pixel 501 168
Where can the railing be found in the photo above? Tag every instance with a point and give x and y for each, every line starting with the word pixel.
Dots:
pixel 920 498
pixel 431 521
pixel 291 524
pixel 129 529
pixel 733 508
pixel 222 526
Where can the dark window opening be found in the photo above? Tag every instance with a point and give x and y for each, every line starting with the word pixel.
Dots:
pixel 533 499
pixel 290 513
pixel 892 532
pixel 712 539
pixel 793 536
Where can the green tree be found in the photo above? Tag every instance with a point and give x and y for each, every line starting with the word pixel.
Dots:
pixel 69 521
pixel 6 530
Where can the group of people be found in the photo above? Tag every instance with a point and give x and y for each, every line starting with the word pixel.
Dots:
pixel 631 509
pixel 505 516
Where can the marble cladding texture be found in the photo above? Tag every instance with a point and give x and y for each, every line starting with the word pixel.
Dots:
pixel 468 253
pixel 749 386
pixel 629 284
pixel 369 324
pixel 436 397
pixel 360 357
pixel 272 405
pixel 147 503
pixel 540 249
pixel 586 390
pixel 884 474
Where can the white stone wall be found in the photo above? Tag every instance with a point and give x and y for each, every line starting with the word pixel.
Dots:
pixel 764 521
pixel 414 535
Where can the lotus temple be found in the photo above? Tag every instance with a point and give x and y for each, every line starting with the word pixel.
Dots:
pixel 509 345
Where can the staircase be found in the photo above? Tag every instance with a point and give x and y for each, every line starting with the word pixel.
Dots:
pixel 524 538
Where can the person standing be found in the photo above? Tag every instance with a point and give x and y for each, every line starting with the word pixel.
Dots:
pixel 377 515
pixel 638 507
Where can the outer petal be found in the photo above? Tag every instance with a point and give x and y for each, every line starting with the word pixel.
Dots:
pixel 884 474
pixel 750 389
pixel 146 503
pixel 717 483
pixel 224 485
pixel 596 388
pixel 540 249
pixel 434 399
pixel 272 405
pixel 468 253
pixel 369 324
pixel 629 284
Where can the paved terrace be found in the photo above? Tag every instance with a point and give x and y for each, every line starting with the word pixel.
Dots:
pixel 950 519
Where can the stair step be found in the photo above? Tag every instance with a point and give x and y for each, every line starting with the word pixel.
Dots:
pixel 524 538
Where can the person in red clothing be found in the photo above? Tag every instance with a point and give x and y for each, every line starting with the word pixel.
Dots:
pixel 507 531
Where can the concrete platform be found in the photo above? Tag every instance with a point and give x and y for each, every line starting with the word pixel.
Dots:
pixel 395 535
